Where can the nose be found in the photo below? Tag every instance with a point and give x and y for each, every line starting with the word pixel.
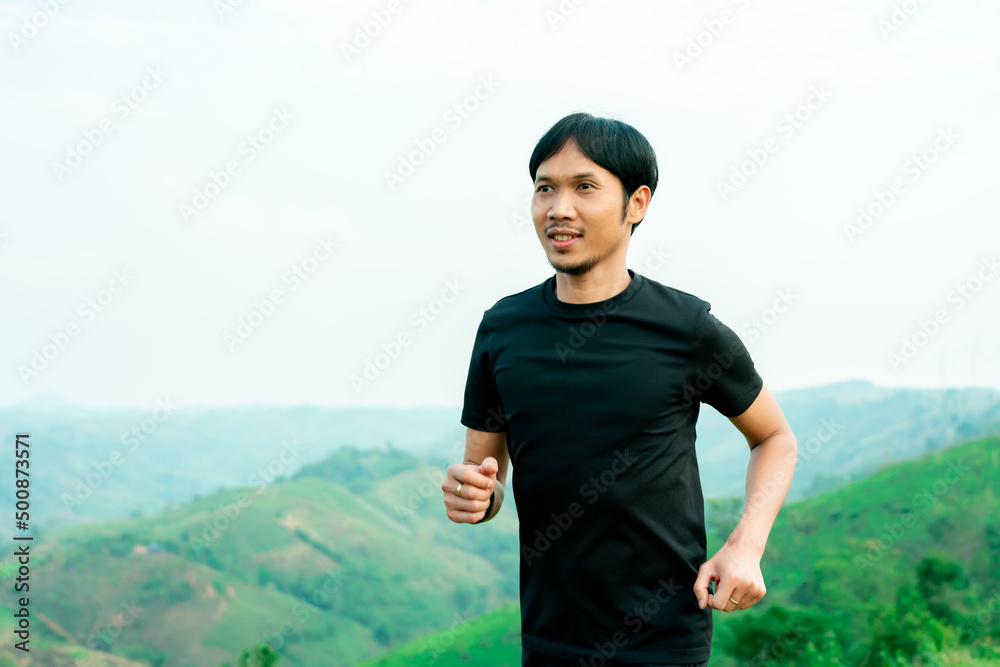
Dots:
pixel 561 206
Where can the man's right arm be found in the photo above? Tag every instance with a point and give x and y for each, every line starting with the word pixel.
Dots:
pixel 484 416
pixel 481 444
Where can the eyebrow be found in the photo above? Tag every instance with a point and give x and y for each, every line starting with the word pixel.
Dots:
pixel 573 178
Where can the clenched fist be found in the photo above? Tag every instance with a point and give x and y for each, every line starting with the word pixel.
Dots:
pixel 478 482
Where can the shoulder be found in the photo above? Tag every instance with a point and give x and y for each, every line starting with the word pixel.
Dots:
pixel 684 305
pixel 513 305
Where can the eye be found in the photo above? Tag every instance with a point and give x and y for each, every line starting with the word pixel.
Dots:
pixel 539 188
pixel 588 185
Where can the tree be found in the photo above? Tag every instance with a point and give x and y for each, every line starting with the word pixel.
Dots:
pixel 782 636
pixel 908 632
pixel 935 576
pixel 261 655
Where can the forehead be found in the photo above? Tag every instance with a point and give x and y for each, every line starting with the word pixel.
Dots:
pixel 570 162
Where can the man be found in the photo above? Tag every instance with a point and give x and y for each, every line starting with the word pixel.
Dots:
pixel 590 383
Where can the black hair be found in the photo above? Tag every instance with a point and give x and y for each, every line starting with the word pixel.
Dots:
pixel 612 144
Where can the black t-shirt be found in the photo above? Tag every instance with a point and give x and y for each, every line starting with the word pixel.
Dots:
pixel 599 402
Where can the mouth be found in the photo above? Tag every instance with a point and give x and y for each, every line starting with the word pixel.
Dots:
pixel 563 241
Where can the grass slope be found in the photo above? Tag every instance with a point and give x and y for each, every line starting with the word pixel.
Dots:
pixel 841 556
pixel 330 577
pixel 493 639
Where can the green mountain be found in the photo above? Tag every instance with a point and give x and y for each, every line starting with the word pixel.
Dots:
pixel 491 639
pixel 353 560
pixel 327 576
pixel 847 431
pixel 907 561
pixel 119 462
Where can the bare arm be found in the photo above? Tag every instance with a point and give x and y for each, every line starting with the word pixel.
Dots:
pixel 773 453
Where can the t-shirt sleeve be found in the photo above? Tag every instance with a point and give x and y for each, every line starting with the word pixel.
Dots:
pixel 483 409
pixel 720 370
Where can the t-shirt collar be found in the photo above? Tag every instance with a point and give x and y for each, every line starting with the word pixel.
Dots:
pixel 582 309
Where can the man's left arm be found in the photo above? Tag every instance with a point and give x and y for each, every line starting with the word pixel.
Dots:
pixel 773 453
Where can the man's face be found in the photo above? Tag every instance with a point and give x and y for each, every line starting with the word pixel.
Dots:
pixel 575 194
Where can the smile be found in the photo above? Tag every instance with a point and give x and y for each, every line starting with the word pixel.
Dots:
pixel 566 241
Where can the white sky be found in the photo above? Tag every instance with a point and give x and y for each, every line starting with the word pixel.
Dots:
pixel 322 175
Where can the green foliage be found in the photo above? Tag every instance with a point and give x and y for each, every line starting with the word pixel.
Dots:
pixel 464 595
pixel 935 577
pixel 307 589
pixel 146 655
pixel 381 633
pixel 179 590
pixel 167 586
pixel 911 552
pixel 922 625
pixel 908 631
pixel 783 636
pixel 358 469
pixel 322 547
pixel 490 639
pixel 261 655
pixel 830 564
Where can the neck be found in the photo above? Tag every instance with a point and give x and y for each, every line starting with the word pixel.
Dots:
pixel 591 287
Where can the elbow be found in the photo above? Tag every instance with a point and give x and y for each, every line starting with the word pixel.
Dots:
pixel 784 436
pixel 791 450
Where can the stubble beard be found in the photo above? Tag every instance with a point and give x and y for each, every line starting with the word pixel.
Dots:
pixel 584 265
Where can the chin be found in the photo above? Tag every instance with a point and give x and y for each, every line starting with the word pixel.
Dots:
pixel 573 268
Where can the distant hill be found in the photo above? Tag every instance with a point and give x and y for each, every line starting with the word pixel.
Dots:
pixel 845 432
pixel 188 453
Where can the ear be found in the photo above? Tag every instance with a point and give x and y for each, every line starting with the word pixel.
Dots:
pixel 638 204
